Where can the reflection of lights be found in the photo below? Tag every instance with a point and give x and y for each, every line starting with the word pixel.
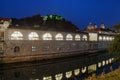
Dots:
pixel 107 62
pixel 47 78
pixel 99 64
pixel 76 72
pixel 68 74
pixel 103 63
pixel 58 76
pixel 110 60
pixel 84 70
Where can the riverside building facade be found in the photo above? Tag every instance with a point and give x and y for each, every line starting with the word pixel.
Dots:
pixel 19 44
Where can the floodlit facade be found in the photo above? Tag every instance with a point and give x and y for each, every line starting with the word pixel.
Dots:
pixel 25 43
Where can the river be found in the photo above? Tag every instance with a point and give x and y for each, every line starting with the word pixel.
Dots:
pixel 72 68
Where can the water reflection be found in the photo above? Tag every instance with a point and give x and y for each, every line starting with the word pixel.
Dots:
pixel 55 69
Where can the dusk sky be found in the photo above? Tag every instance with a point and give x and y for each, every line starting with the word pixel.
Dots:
pixel 79 12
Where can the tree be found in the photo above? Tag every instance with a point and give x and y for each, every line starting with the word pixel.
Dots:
pixel 115 46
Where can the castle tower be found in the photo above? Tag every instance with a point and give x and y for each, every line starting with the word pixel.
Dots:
pixel 90 26
pixel 102 26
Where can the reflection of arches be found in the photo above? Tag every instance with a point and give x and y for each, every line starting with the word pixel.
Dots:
pixel 84 69
pixel 59 76
pixel 77 72
pixel 103 63
pixel 16 49
pixel 99 64
pixel 68 74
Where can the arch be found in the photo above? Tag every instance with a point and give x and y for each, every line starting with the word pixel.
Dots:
pixel 59 36
pixel 84 38
pixel 100 38
pixel 16 35
pixel 104 38
pixel 108 38
pixel 47 36
pixel 69 37
pixel 16 49
pixel 77 37
pixel 33 36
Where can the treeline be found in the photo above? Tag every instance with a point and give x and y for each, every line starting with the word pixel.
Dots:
pixel 49 22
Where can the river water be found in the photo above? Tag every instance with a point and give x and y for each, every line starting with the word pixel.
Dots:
pixel 72 68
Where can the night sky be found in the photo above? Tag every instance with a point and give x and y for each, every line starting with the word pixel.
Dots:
pixel 79 12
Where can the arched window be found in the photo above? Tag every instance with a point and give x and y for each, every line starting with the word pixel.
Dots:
pixel 107 38
pixel 59 37
pixel 16 35
pixel 100 38
pixel 33 36
pixel 47 36
pixel 104 38
pixel 69 37
pixel 16 49
pixel 77 37
pixel 84 38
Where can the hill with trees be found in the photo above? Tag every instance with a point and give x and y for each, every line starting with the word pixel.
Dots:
pixel 48 22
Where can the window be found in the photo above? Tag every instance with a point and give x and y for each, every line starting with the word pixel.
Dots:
pixel 17 49
pixel 108 38
pixel 59 36
pixel 33 48
pixel 77 37
pixel 100 38
pixel 33 36
pixel 84 38
pixel 16 35
pixel 69 37
pixel 47 36
pixel 104 38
